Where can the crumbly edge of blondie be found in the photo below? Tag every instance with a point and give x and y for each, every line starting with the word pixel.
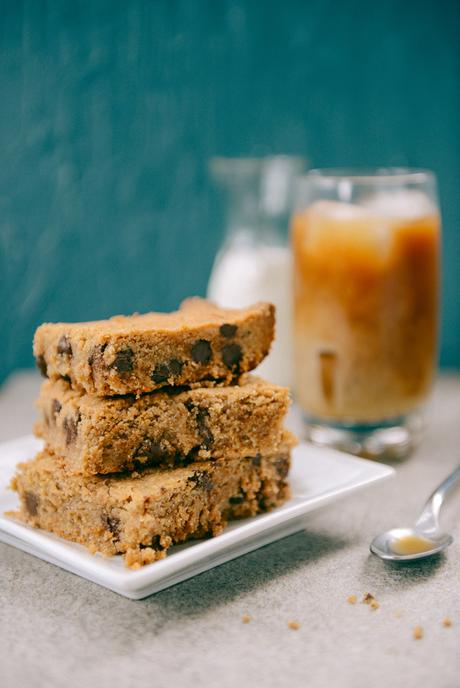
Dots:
pixel 142 514
pixel 92 435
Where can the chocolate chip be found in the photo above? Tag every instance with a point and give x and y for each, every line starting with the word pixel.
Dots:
pixel 263 504
pixel 71 428
pixel 64 346
pixel 164 371
pixel 228 330
pixel 201 479
pixel 208 440
pixel 160 374
pixel 55 407
pixel 124 361
pixel 66 378
pixel 231 356
pixel 203 429
pixel 156 544
pixel 150 449
pixel 96 356
pixel 175 366
pixel 41 365
pixel 255 460
pixel 31 501
pixel 185 460
pixel 201 351
pixel 112 523
pixel 237 499
pixel 201 416
pixel 282 467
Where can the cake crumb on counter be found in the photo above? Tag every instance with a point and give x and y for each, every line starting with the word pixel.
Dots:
pixel 447 623
pixel 245 618
pixel 294 625
pixel 417 633
pixel 352 599
pixel 368 598
pixel 374 604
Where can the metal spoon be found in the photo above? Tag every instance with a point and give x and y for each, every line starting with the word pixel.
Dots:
pixel 425 538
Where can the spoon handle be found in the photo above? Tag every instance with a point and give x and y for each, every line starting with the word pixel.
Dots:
pixel 429 518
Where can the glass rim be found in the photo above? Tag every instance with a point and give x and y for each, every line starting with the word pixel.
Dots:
pixel 381 175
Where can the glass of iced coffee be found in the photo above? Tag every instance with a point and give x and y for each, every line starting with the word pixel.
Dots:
pixel 366 279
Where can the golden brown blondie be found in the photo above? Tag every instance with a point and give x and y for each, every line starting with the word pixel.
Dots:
pixel 142 514
pixel 200 343
pixel 176 426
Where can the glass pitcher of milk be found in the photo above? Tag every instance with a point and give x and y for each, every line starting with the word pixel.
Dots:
pixel 254 263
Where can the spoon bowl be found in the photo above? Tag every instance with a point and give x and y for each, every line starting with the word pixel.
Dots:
pixel 426 537
pixel 408 544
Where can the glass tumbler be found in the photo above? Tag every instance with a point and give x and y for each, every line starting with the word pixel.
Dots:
pixel 366 279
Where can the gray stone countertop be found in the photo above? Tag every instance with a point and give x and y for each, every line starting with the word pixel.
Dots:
pixel 57 629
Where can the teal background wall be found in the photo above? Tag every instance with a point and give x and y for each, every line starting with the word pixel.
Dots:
pixel 109 111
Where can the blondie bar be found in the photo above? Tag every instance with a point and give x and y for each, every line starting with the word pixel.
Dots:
pixel 200 343
pixel 142 514
pixel 175 426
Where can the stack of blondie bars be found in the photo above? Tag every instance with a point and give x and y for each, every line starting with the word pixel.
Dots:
pixel 154 431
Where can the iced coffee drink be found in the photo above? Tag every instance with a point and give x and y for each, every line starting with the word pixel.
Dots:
pixel 366 301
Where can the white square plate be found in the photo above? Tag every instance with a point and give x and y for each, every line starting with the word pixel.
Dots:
pixel 318 477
